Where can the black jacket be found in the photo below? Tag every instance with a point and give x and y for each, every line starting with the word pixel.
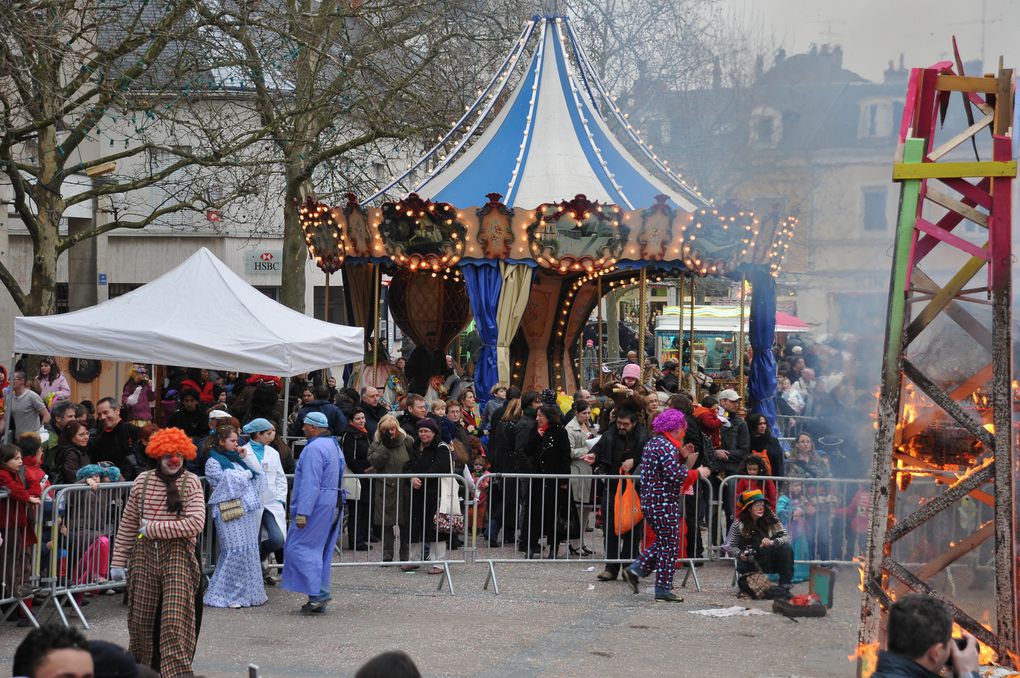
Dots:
pixel 336 419
pixel 121 447
pixel 553 452
pixel 525 443
pixel 892 665
pixel 195 424
pixel 612 449
pixel 737 441
pixel 354 444
pixel 373 415
pixel 501 444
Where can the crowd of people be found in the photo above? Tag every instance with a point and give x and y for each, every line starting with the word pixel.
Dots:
pixel 577 454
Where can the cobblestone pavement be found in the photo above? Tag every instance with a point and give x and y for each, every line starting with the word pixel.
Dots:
pixel 550 619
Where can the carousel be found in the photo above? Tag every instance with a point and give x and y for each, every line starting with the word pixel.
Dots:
pixel 525 214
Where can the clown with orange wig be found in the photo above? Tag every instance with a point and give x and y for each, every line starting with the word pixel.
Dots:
pixel 155 549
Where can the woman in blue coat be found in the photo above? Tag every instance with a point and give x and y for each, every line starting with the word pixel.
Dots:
pixel 315 514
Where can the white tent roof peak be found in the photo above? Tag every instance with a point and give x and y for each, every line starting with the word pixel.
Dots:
pixel 199 314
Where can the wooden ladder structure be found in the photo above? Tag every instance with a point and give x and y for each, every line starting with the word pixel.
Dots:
pixel 934 181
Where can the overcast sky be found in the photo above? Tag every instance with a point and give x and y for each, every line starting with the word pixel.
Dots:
pixel 874 31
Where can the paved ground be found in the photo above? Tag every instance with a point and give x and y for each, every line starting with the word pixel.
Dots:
pixel 549 620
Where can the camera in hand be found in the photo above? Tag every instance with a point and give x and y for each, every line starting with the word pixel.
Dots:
pixel 748 553
pixel 960 644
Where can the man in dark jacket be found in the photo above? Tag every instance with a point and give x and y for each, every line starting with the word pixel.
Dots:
pixel 619 451
pixel 668 382
pixel 415 410
pixel 736 445
pixel 373 408
pixel 920 642
pixel 116 441
pixel 336 419
pixel 188 416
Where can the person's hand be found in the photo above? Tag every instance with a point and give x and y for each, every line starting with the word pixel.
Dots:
pixel 118 574
pixel 627 466
pixel 35 501
pixel 588 458
pixel 242 453
pixel 93 483
pixel 743 557
pixel 416 483
pixel 966 660
pixel 766 542
pixel 689 455
pixel 704 471
pixel 370 469
pixel 722 454
pixel 301 521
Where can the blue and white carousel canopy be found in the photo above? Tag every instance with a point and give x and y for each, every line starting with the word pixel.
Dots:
pixel 548 141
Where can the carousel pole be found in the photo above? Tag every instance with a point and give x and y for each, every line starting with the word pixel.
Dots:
pixel 375 330
pixel 690 338
pixel 642 319
pixel 740 355
pixel 598 375
pixel 325 300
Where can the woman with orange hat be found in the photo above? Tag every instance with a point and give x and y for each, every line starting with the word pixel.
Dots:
pixel 155 549
pixel 759 542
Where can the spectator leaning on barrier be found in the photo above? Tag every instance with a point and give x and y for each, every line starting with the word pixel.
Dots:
pixel 155 548
pixel 920 645
pixel 389 453
pixel 18 539
pixel 116 440
pixel 72 452
pixel 354 444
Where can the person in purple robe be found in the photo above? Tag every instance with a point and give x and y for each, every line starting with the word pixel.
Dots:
pixel 315 512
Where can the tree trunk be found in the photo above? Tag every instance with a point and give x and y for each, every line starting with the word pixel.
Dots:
pixel 292 293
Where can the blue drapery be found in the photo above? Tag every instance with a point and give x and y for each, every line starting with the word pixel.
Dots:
pixel 761 383
pixel 484 282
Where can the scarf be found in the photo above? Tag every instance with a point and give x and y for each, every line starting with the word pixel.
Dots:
pixel 229 460
pixel 542 429
pixel 360 428
pixel 259 449
pixel 173 493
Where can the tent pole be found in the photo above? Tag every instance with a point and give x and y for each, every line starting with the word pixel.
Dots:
pixel 642 320
pixel 694 382
pixel 285 419
pixel 7 438
pixel 740 354
pixel 598 375
pixel 375 330
pixel 325 300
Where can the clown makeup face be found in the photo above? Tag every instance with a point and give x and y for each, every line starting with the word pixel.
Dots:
pixel 757 509
pixel 171 463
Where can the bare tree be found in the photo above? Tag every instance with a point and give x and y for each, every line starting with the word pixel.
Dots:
pixel 350 86
pixel 113 102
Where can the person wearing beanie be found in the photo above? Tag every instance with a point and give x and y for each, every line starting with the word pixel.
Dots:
pixel 760 542
pixel 316 520
pixel 155 547
pixel 430 455
pixel 667 470
pixel 261 433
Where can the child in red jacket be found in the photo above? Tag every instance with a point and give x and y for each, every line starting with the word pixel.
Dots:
pixel 708 416
pixel 753 466
pixel 18 511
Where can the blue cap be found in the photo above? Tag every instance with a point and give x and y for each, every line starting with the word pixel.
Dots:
pixel 316 419
pixel 258 426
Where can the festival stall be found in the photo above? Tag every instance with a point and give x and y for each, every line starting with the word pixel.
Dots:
pixel 568 214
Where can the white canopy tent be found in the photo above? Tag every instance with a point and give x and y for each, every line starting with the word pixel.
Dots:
pixel 200 314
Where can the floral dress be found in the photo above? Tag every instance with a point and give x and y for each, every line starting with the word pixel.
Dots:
pixel 237 581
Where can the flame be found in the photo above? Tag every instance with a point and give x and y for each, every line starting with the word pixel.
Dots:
pixel 990 428
pixel 867 655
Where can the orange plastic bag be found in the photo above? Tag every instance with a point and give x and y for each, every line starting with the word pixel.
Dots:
pixel 627 508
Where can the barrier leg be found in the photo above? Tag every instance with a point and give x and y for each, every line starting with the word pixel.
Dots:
pixel 77 610
pixel 447 578
pixel 491 577
pixel 691 572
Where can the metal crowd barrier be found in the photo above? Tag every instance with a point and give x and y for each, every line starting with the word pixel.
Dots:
pixel 537 518
pixel 18 558
pixel 827 518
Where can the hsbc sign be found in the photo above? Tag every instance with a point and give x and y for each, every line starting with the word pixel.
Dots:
pixel 263 261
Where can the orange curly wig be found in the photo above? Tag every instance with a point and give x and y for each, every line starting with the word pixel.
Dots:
pixel 170 441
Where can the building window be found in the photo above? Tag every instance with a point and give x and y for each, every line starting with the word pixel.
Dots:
pixel 874 208
pixel 61 298
pixel 766 127
pixel 271 291
pixel 336 304
pixel 877 118
pixel 118 289
pixel 169 191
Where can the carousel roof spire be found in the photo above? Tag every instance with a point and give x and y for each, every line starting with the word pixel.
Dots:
pixel 549 140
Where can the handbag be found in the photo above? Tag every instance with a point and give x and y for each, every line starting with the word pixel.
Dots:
pixel 568 526
pixel 351 488
pixel 448 518
pixel 231 510
pixel 755 584
pixel 627 507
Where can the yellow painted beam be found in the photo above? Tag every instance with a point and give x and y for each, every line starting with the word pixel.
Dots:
pixel 959 83
pixel 953 170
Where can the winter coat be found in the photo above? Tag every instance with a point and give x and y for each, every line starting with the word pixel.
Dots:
pixel 390 457
pixel 525 443
pixel 336 419
pixel 580 488
pixel 891 665
pixel 553 457
pixel 68 459
pixel 436 458
pixel 15 508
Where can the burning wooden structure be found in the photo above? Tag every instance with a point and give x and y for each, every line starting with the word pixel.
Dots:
pixel 950 426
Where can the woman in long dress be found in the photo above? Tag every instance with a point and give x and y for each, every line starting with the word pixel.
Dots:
pixel 238 482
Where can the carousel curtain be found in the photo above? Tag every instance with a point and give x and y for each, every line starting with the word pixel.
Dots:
pixel 513 299
pixel 359 289
pixel 761 384
pixel 484 282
